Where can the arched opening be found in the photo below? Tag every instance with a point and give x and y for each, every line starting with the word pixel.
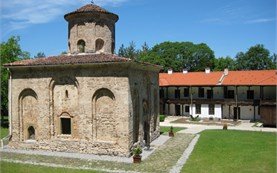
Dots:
pixel 28 114
pixel 81 46
pixel 31 133
pixel 104 125
pixel 99 44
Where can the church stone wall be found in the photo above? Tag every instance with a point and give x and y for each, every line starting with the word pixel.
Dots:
pixel 96 104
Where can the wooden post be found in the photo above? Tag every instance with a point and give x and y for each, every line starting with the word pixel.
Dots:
pixel 191 95
pixel 168 108
pixel 254 113
pixel 166 92
pixel 229 111
pixel 261 92
pixel 182 110
pixel 237 102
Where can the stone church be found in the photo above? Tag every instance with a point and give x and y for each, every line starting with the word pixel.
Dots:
pixel 88 100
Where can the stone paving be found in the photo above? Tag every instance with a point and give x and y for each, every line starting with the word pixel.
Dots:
pixel 197 128
pixel 162 160
pixel 145 154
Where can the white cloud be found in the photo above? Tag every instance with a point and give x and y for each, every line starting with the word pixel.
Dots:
pixel 19 14
pixel 261 20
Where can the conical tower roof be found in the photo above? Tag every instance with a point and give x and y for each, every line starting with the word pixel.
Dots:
pixel 90 8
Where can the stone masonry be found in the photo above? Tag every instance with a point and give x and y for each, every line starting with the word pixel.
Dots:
pixel 86 102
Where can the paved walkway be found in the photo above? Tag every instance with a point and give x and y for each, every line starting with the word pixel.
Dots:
pixel 183 159
pixel 197 128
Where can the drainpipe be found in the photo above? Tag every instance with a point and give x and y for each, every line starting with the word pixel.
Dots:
pixel 10 102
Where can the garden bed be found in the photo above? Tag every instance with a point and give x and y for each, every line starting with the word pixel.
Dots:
pixel 207 121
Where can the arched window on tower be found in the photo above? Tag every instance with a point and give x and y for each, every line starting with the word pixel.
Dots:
pixel 81 46
pixel 99 44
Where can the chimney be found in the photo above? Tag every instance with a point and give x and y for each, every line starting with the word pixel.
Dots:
pixel 226 71
pixel 170 71
pixel 185 71
pixel 207 70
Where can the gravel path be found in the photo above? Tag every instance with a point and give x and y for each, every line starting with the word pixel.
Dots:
pixel 183 159
pixel 145 154
pixel 66 166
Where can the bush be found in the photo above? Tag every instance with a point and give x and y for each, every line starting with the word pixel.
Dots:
pixel 162 117
pixel 211 118
pixel 194 118
pixel 225 126
pixel 137 151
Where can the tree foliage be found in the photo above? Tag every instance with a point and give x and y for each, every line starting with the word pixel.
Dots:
pixel 10 51
pixel 223 63
pixel 179 55
pixel 128 52
pixel 256 58
pixel 40 55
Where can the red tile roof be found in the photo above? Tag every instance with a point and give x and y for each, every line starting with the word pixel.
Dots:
pixel 69 59
pixel 258 77
pixel 261 77
pixel 189 79
pixel 91 8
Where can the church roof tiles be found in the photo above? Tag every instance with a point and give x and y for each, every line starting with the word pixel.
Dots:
pixel 69 59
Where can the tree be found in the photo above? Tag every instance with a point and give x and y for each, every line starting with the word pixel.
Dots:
pixel 40 55
pixel 63 53
pixel 10 51
pixel 222 63
pixel 128 52
pixel 179 55
pixel 256 58
pixel 121 51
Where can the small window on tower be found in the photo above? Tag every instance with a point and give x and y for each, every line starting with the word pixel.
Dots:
pixel 99 44
pixel 81 46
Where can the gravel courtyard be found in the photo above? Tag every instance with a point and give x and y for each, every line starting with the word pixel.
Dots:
pixel 162 160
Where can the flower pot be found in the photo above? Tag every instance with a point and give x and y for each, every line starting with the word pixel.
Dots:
pixel 171 134
pixel 136 159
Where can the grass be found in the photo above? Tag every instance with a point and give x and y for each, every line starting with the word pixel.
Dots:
pixel 164 129
pixel 4 132
pixel 233 151
pixel 161 161
pixel 8 167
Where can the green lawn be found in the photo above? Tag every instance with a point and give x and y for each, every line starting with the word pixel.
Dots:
pixel 25 168
pixel 219 151
pixel 4 132
pixel 164 129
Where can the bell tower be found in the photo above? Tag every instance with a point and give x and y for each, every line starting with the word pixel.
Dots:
pixel 91 29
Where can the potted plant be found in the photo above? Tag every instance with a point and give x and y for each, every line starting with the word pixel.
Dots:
pixel 171 133
pixel 136 154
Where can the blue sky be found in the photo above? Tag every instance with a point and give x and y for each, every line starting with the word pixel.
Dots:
pixel 227 26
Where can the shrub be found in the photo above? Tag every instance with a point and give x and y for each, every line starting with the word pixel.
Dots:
pixel 137 151
pixel 162 117
pixel 225 126
pixel 194 118
pixel 211 118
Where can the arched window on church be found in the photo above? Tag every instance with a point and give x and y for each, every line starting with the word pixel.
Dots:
pixel 31 133
pixel 99 44
pixel 81 46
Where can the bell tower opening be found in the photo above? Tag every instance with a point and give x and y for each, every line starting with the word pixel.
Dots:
pixel 99 44
pixel 81 46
